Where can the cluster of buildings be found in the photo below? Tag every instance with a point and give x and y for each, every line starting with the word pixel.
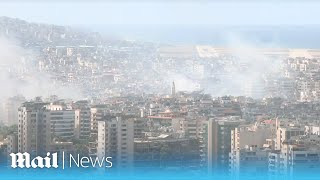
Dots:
pixel 190 131
pixel 270 126
pixel 302 78
pixel 83 60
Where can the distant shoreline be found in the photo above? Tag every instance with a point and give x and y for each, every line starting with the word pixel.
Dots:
pixel 286 36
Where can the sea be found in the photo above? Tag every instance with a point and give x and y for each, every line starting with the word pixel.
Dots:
pixel 268 36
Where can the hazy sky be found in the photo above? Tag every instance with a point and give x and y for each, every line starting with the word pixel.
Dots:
pixel 230 12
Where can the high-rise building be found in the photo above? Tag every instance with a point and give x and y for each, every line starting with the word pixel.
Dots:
pixel 62 120
pixel 116 139
pixel 40 123
pixel 254 88
pixel 166 151
pixel 140 126
pixel 249 151
pixel 274 163
pixel 173 89
pixel 12 146
pixel 299 154
pixel 33 128
pixel 285 132
pixel 252 136
pixel 82 125
pixel 97 113
pixel 249 161
pixel 11 106
pixel 219 142
pixel 193 127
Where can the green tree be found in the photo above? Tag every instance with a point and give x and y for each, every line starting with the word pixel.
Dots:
pixel 7 130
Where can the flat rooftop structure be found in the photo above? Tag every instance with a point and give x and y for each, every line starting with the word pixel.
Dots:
pixel 177 51
pixel 159 117
pixel 211 51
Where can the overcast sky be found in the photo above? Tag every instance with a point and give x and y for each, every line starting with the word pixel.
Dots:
pixel 241 12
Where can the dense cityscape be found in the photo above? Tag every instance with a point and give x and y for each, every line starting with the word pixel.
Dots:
pixel 232 110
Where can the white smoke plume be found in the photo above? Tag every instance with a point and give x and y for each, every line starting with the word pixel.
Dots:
pixel 19 75
pixel 233 80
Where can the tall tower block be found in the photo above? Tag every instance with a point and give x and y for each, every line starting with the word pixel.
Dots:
pixel 173 89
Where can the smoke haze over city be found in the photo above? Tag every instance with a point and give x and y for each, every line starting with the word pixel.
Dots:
pixel 150 89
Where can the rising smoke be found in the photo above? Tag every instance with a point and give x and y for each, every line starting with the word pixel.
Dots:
pixel 20 75
pixel 244 73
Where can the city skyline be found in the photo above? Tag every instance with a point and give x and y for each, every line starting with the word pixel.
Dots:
pixel 231 102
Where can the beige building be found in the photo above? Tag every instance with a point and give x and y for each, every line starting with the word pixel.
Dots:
pixel 249 151
pixel 116 140
pixel 253 136
pixel 96 113
pixel 33 129
pixel 191 127
pixel 285 133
